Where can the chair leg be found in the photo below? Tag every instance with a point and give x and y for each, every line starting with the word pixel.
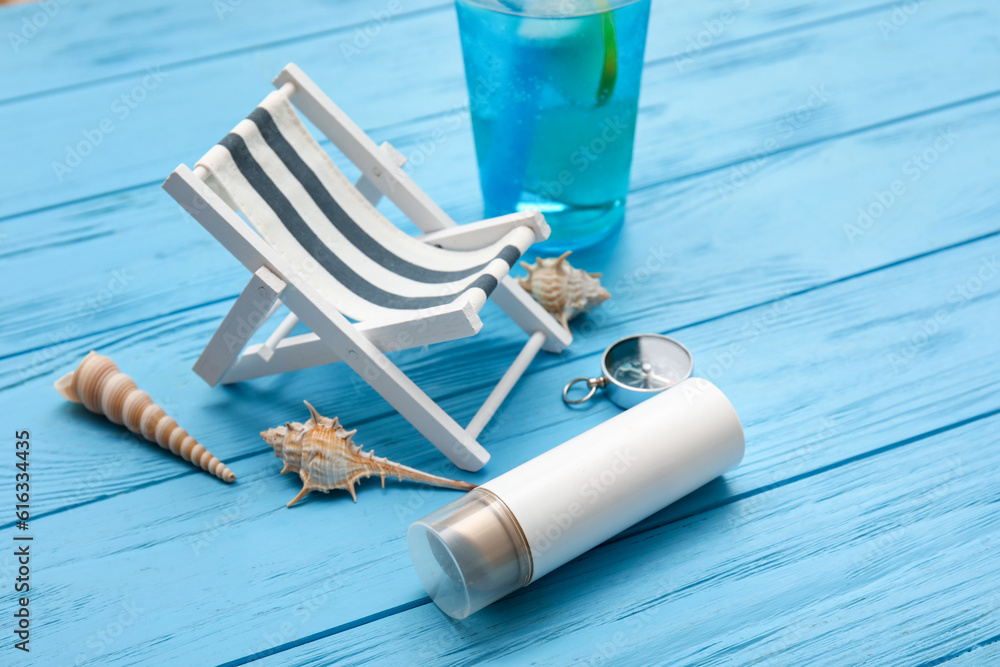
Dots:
pixel 507 382
pixel 530 316
pixel 365 359
pixel 279 334
pixel 251 309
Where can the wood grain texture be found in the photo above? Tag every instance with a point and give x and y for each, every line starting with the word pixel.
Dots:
pixel 861 357
pixel 811 396
pixel 124 218
pixel 891 561
pixel 179 32
pixel 711 270
pixel 712 97
pixel 192 30
pixel 980 655
pixel 790 216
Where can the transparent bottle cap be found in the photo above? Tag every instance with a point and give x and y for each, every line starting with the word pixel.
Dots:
pixel 470 553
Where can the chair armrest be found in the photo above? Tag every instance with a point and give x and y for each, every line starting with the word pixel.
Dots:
pixel 481 234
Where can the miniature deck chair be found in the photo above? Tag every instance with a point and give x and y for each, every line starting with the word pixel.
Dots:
pixel 324 250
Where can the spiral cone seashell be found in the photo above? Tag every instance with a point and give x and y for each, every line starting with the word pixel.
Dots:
pixel 324 455
pixel 561 289
pixel 102 388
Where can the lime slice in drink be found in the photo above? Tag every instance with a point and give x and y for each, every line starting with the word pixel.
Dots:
pixel 609 71
pixel 579 54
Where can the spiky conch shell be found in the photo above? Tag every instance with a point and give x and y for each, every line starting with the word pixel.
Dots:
pixel 561 289
pixel 102 388
pixel 324 455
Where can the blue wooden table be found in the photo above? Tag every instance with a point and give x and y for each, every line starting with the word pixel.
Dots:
pixel 814 211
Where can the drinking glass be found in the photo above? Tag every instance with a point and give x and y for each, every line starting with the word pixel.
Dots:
pixel 553 94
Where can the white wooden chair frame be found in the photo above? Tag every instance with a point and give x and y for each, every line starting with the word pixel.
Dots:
pixel 334 338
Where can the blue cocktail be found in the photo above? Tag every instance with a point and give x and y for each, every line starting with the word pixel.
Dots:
pixel 554 90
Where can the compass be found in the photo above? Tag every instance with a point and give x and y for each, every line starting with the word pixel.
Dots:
pixel 636 368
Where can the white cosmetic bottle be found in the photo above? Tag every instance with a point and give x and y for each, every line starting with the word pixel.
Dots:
pixel 527 522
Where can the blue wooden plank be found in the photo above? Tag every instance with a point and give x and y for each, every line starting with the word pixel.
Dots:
pixel 711 270
pixel 981 655
pixel 64 52
pixel 73 44
pixel 745 98
pixel 814 384
pixel 853 365
pixel 173 265
pixel 890 559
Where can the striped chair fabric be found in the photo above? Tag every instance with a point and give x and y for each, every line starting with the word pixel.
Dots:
pixel 272 170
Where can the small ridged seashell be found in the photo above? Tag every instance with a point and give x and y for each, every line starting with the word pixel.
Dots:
pixel 102 388
pixel 561 289
pixel 324 455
